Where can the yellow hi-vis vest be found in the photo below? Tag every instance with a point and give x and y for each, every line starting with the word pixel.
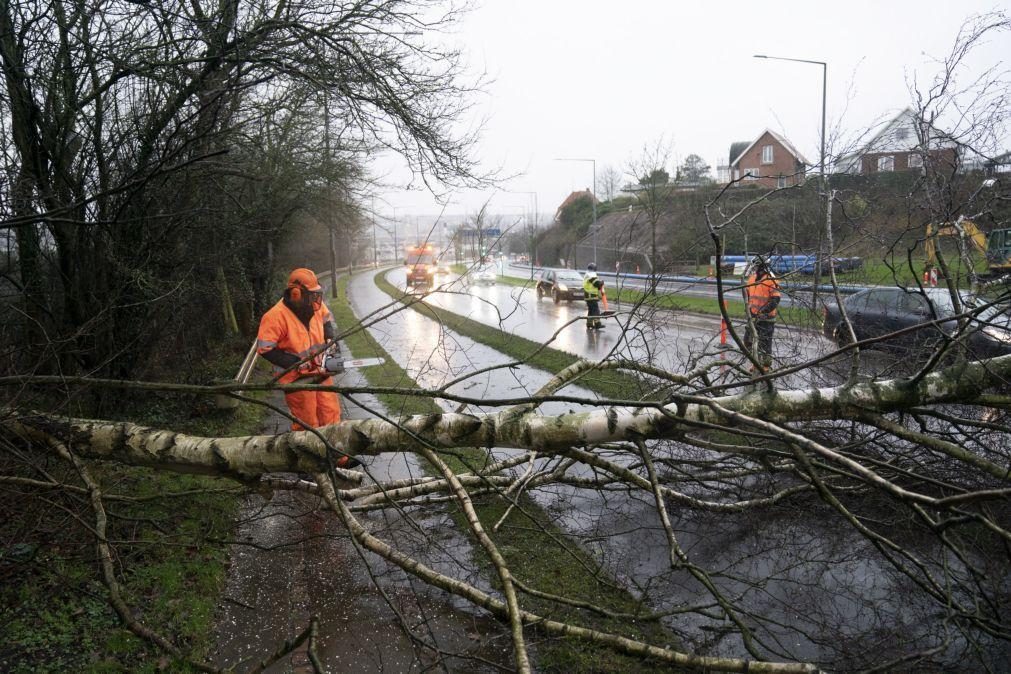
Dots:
pixel 591 290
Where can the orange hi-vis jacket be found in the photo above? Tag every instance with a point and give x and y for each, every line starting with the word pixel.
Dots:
pixel 759 295
pixel 280 328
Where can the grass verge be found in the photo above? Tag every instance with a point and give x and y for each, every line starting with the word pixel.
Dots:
pixel 165 529
pixel 537 551
pixel 797 316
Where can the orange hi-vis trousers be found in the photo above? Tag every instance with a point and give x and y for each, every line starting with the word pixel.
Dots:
pixel 314 408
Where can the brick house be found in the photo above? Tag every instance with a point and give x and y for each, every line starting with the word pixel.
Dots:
pixel 903 144
pixel 574 196
pixel 770 160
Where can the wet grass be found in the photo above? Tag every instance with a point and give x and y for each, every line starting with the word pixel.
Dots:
pixel 797 316
pixel 542 557
pixel 166 530
pixel 537 551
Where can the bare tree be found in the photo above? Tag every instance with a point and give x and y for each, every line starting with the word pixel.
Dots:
pixel 142 141
pixel 649 172
pixel 609 182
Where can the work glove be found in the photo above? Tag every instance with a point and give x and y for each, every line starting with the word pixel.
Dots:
pixel 309 367
pixel 348 462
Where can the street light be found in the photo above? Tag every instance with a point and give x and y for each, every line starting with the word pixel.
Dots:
pixel 375 248
pixel 824 80
pixel 593 198
pixel 824 186
pixel 532 231
pixel 396 226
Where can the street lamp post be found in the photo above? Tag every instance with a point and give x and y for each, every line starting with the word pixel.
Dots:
pixel 396 244
pixel 824 185
pixel 593 200
pixel 375 247
pixel 531 230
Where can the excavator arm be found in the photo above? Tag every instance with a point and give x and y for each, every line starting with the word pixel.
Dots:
pixel 961 228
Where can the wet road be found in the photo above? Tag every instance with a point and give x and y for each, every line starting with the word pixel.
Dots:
pixel 700 288
pixel 674 341
pixel 788 571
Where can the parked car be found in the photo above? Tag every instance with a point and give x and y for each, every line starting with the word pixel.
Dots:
pixel 560 285
pixel 486 275
pixel 876 312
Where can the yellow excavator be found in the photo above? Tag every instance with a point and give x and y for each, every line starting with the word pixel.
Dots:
pixel 996 247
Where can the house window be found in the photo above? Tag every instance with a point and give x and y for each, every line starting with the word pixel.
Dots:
pixel 781 181
pixel 750 173
pixel 915 160
pixel 886 163
pixel 766 154
pixel 902 133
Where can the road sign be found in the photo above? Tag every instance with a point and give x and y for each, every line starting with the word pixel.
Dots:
pixel 493 231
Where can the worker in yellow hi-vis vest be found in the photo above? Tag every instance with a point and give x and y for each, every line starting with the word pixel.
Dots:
pixel 593 287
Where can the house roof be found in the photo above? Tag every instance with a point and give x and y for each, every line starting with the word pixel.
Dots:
pixel 782 141
pixel 736 148
pixel 1004 158
pixel 580 194
pixel 907 112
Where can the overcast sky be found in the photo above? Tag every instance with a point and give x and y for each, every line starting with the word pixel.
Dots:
pixel 596 79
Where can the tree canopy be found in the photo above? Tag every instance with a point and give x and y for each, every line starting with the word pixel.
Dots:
pixel 694 170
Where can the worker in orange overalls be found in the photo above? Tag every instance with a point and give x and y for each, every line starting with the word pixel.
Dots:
pixel 295 331
pixel 761 290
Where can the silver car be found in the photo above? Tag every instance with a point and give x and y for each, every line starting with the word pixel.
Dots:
pixel 486 275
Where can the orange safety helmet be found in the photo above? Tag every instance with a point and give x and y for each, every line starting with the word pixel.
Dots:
pixel 302 279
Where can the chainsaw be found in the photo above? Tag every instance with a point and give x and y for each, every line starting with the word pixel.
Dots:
pixel 334 363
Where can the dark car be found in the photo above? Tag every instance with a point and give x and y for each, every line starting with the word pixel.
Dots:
pixel 560 285
pixel 876 312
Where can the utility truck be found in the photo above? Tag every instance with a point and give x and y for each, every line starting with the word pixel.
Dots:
pixel 421 264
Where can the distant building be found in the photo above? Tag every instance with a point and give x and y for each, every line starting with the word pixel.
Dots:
pixel 999 166
pixel 723 173
pixel 770 160
pixel 905 143
pixel 583 194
